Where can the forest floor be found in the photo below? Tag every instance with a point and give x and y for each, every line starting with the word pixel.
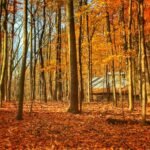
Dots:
pixel 50 127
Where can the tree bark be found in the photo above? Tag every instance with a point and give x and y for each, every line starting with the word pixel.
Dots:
pixel 10 69
pixel 81 93
pixel 73 59
pixel 89 79
pixel 143 66
pixel 109 40
pixel 4 61
pixel 130 80
pixel 58 79
pixel 42 74
pixel 23 67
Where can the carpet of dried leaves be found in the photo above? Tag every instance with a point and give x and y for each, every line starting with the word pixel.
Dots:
pixel 50 127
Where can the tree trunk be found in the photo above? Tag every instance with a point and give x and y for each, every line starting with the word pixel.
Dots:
pixel 42 74
pixel 58 80
pixel 10 71
pixel 35 62
pixel 23 67
pixel 73 59
pixel 122 22
pixel 109 40
pixel 139 54
pixel 81 93
pixel 143 67
pixel 130 86
pixel 4 62
pixel 89 57
pixel 49 59
pixel 31 59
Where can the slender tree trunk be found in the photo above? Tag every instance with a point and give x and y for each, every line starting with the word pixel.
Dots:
pixel 120 80
pixel 81 93
pixel 35 62
pixel 89 56
pixel 130 87
pixel 122 22
pixel 42 75
pixel 31 55
pixel 60 92
pixel 31 59
pixel 4 62
pixel 124 39
pixel 67 77
pixel 10 71
pixel 49 59
pixel 58 80
pixel 109 40
pixel 23 67
pixel 139 54
pixel 143 67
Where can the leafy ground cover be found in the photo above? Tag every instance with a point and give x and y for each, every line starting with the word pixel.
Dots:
pixel 100 126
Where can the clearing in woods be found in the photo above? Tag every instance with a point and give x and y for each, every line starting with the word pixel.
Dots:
pixel 50 127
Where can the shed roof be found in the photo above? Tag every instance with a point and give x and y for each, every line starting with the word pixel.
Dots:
pixel 100 82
